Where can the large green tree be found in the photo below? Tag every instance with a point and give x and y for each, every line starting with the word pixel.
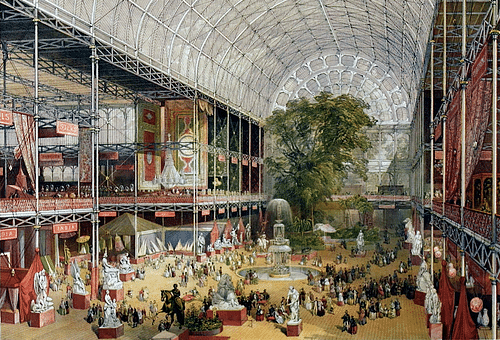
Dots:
pixel 315 142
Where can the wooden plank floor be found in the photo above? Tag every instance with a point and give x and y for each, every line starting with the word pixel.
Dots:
pixel 410 325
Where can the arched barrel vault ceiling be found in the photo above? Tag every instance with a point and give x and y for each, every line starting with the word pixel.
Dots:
pixel 246 52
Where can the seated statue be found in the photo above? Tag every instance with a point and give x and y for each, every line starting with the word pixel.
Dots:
pixel 78 285
pixel 210 248
pixel 43 302
pixel 218 244
pixel 125 266
pixel 225 298
pixel 226 243
pixel 110 319
pixel 111 277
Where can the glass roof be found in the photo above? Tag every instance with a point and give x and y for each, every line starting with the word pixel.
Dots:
pixel 255 55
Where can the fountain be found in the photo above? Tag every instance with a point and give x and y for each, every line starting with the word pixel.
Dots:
pixel 280 248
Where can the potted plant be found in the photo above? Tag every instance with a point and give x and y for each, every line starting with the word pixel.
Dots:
pixel 200 325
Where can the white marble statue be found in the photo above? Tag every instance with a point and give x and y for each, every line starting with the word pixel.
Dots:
pixel 410 233
pixel 78 285
pixel 125 266
pixel 201 244
pixel 210 248
pixel 218 244
pixel 423 277
pixel 262 243
pixel 43 302
pixel 225 298
pixel 226 243
pixel 360 242
pixel 110 274
pixel 234 237
pixel 293 298
pixel 416 249
pixel 110 319
pixel 432 305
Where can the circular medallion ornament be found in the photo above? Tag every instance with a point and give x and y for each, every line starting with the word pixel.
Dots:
pixel 476 305
pixel 436 248
pixel 437 254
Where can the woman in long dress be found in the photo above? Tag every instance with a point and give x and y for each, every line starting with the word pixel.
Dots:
pixel 308 303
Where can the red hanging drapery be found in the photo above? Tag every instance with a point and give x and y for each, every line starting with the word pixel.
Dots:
pixel 27 290
pixel 464 328
pixel 447 297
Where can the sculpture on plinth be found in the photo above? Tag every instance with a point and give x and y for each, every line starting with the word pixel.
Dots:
pixel 293 298
pixel 110 319
pixel 78 285
pixel 360 241
pixel 201 244
pixel 125 266
pixel 423 278
pixel 43 302
pixel 111 275
pixel 432 304
pixel 225 298
pixel 416 249
pixel 410 234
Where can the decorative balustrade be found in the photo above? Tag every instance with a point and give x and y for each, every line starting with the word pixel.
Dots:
pixel 479 222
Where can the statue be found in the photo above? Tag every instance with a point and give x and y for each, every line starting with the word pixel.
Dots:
pixel 416 249
pixel 110 319
pixel 360 242
pixel 423 277
pixel 410 235
pixel 262 243
pixel 293 298
pixel 110 275
pixel 226 243
pixel 67 254
pixel 433 304
pixel 125 266
pixel 201 244
pixel 210 248
pixel 43 302
pixel 225 298
pixel 78 285
pixel 234 237
pixel 248 232
pixel 218 244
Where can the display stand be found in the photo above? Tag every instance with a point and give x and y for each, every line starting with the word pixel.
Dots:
pixel 115 294
pixel 127 277
pixel 110 332
pixel 10 316
pixel 230 317
pixel 419 298
pixel 201 257
pixel 81 301
pixel 294 328
pixel 39 320
pixel 436 331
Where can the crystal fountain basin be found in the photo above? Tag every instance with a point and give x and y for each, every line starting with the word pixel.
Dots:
pixel 264 273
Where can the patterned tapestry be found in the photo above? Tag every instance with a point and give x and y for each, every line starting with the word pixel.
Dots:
pixel 85 155
pixel 148 134
pixel 180 128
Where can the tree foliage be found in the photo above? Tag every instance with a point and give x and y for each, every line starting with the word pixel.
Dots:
pixel 314 147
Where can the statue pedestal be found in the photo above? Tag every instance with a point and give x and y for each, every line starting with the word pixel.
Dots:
pixel 210 253
pixel 259 317
pixel 201 257
pixel 416 260
pixel 230 317
pixel 294 328
pixel 110 332
pixel 407 245
pixel 436 331
pixel 218 251
pixel 10 316
pixel 419 298
pixel 81 301
pixel 238 246
pixel 39 320
pixel 113 293
pixel 127 277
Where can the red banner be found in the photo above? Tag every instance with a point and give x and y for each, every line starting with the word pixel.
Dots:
pixel 244 208
pixel 64 128
pixel 234 160
pixel 107 214
pixel 108 155
pixel 244 162
pixel 234 209
pixel 205 212
pixel 221 158
pixel 129 167
pixel 164 213
pixel 60 228
pixel 254 207
pixel 1 171
pixel 8 234
pixel 254 164
pixel 6 117
pixel 149 116
pixel 51 159
pixel 222 210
